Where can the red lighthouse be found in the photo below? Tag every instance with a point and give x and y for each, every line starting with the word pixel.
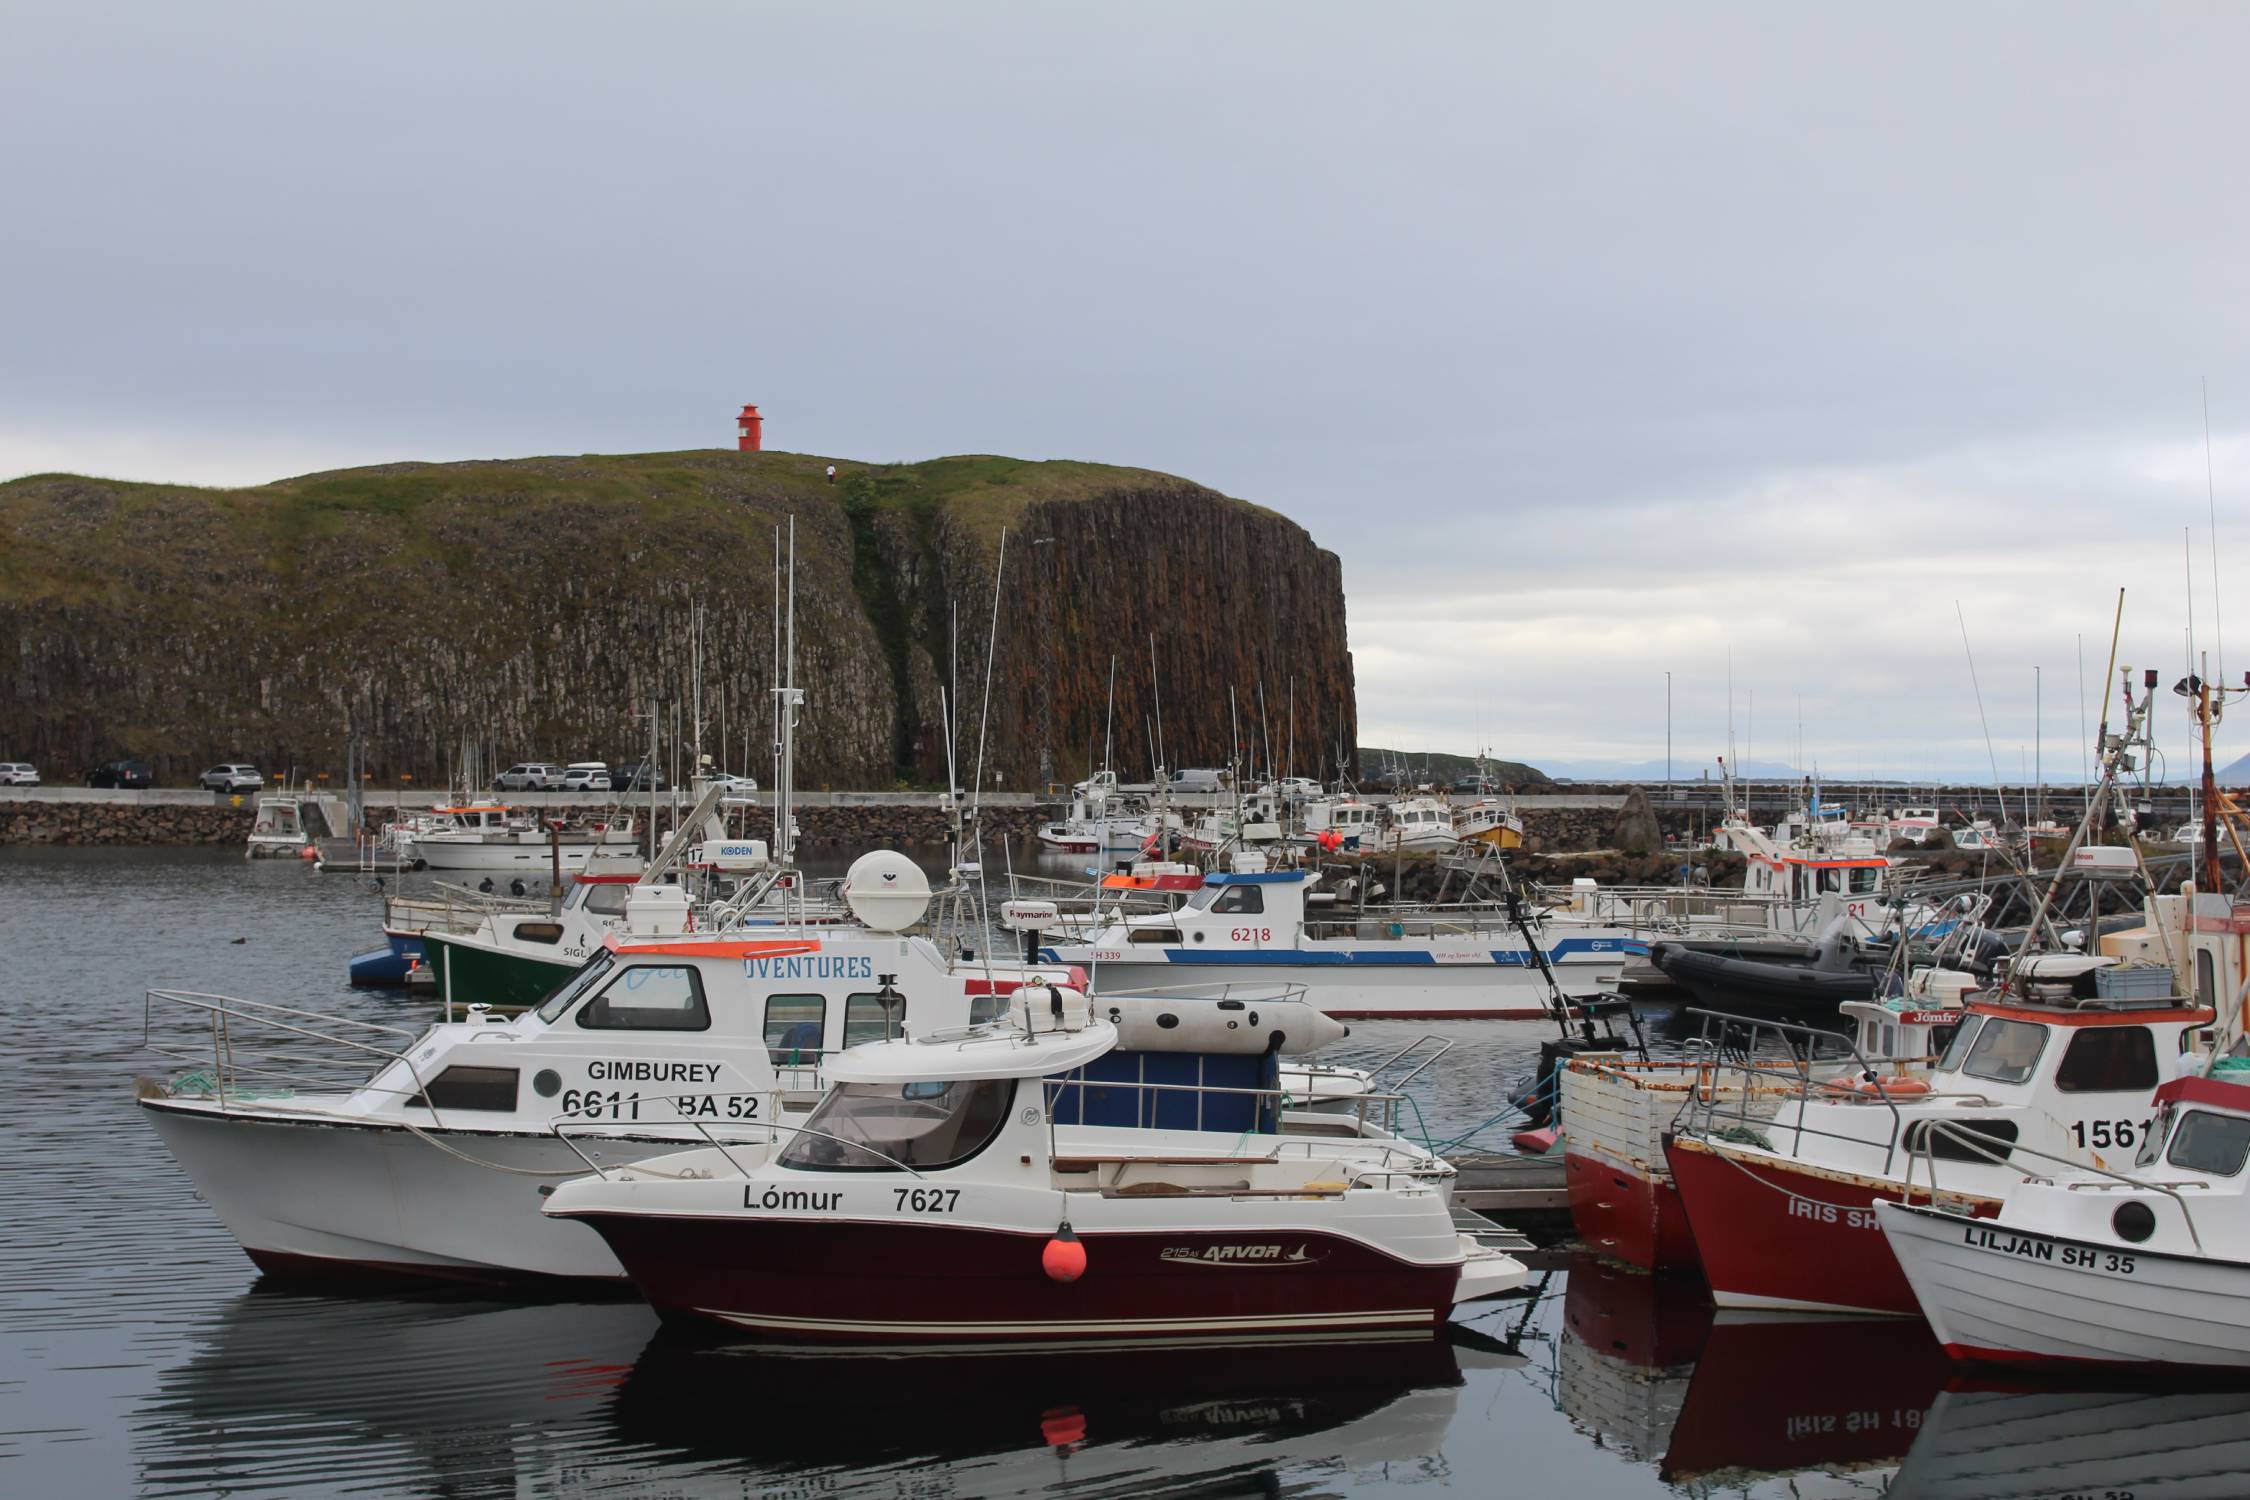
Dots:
pixel 753 430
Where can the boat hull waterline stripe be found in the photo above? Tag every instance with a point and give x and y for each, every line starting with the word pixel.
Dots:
pixel 1371 1319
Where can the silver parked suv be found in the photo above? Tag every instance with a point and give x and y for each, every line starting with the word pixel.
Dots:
pixel 531 776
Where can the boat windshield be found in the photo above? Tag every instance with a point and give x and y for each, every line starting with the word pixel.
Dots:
pixel 1957 1050
pixel 578 984
pixel 2209 1142
pixel 881 1127
pixel 2005 1051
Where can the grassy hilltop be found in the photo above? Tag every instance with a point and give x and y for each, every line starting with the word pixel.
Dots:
pixel 534 604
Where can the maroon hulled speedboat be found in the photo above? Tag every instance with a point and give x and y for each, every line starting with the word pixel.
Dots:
pixel 946 1191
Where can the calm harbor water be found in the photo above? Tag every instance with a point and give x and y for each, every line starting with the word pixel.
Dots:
pixel 141 1354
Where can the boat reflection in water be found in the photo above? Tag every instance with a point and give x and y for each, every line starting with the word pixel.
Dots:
pixel 1829 1405
pixel 437 1394
pixel 1999 1444
pixel 1787 1393
pixel 457 1395
pixel 1628 1349
pixel 1023 1422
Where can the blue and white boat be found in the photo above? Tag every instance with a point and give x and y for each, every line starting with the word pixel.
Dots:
pixel 1431 961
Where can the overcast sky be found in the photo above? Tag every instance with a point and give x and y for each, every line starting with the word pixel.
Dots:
pixel 1599 340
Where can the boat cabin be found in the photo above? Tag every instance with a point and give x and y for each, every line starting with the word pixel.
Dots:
pixel 1857 883
pixel 1420 823
pixel 1224 910
pixel 688 1026
pixel 1350 820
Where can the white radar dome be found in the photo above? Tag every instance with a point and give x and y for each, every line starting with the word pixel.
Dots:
pixel 886 890
pixel 1023 915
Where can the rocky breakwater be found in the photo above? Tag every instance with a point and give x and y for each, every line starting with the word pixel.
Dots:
pixel 27 822
pixel 542 608
pixel 1562 830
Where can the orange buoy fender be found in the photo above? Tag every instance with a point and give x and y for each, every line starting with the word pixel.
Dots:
pixel 1064 1258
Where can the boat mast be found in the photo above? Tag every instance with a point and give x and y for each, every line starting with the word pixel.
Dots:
pixel 787 697
pixel 1109 714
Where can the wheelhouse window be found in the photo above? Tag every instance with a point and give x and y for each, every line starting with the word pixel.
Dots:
pixel 2213 1143
pixel 597 968
pixel 1153 935
pixel 650 997
pixel 2108 1060
pixel 539 932
pixel 2005 1051
pixel 606 898
pixel 881 1127
pixel 874 1016
pixel 463 1087
pixel 1957 1050
pixel 2206 980
pixel 1240 901
pixel 1864 882
pixel 1962 1140
pixel 795 1025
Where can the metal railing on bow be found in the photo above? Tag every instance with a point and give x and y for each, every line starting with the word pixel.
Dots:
pixel 253 1047
pixel 1966 1137
pixel 1746 1058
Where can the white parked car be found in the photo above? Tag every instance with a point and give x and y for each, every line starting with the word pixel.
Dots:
pixel 232 777
pixel 531 776
pixel 735 786
pixel 586 776
pixel 18 773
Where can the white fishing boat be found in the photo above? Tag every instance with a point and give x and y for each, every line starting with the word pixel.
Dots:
pixel 1352 823
pixel 1261 929
pixel 491 838
pixel 1915 823
pixel 1417 825
pixel 432 1166
pixel 1039 1196
pixel 1099 821
pixel 2144 1267
pixel 290 825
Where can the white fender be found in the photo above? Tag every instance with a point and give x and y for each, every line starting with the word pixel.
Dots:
pixel 1190 1023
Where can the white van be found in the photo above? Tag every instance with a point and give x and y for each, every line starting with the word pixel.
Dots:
pixel 1199 781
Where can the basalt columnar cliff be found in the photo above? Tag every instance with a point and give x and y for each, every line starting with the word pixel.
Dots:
pixel 532 606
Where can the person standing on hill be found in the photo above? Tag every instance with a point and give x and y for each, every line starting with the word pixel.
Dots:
pixel 831 473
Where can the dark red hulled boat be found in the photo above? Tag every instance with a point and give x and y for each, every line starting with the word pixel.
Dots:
pixel 983 1187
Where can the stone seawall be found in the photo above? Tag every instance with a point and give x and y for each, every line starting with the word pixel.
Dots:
pixel 111 823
